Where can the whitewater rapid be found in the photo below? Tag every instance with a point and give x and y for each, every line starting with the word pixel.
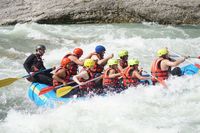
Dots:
pixel 149 109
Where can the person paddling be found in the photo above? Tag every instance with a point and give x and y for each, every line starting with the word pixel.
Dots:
pixel 86 74
pixel 63 76
pixel 74 57
pixel 161 67
pixel 100 60
pixel 34 63
pixel 132 75
pixel 111 77
pixel 123 63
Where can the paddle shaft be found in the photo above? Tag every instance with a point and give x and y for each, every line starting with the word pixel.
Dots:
pixel 188 56
pixel 180 56
pixel 59 86
pixel 29 75
pixel 87 82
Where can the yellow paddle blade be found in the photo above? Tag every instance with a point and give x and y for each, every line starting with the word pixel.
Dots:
pixel 63 91
pixel 7 81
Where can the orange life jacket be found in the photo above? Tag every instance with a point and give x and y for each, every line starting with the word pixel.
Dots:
pixel 98 68
pixel 123 63
pixel 111 82
pixel 89 85
pixel 129 78
pixel 66 79
pixel 157 72
pixel 74 67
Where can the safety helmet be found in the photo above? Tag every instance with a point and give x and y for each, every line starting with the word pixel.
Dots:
pixel 42 47
pixel 65 61
pixel 89 63
pixel 162 52
pixel 123 53
pixel 78 51
pixel 112 62
pixel 100 49
pixel 132 62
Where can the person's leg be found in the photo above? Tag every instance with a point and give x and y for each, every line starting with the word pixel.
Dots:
pixel 44 79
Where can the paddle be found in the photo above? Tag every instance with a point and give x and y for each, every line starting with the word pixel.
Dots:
pixel 8 81
pixel 49 88
pixel 176 54
pixel 188 56
pixel 162 82
pixel 64 90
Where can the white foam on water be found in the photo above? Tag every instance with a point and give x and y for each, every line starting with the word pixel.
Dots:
pixel 141 109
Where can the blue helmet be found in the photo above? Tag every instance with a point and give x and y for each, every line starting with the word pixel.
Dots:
pixel 100 49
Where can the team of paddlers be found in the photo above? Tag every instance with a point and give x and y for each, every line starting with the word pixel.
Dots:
pixel 120 74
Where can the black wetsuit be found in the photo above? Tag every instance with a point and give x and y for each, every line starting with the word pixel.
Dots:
pixel 34 63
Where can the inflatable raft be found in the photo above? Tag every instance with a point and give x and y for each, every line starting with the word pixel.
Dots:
pixel 50 100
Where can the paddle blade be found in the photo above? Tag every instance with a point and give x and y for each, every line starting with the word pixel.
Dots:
pixel 63 91
pixel 7 81
pixel 46 89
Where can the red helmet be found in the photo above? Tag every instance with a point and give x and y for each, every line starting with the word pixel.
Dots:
pixel 65 61
pixel 78 51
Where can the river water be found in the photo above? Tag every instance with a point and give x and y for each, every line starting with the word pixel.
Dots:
pixel 150 109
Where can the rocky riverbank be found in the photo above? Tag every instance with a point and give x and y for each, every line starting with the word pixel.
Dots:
pixel 99 11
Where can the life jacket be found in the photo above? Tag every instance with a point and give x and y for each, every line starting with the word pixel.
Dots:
pixel 98 68
pixel 89 85
pixel 111 82
pixel 157 72
pixel 74 67
pixel 123 63
pixel 67 78
pixel 129 78
pixel 37 64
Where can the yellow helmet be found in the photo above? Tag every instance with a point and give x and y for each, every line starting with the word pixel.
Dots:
pixel 89 63
pixel 132 62
pixel 123 53
pixel 112 62
pixel 162 52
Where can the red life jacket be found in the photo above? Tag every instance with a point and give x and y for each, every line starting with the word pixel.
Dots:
pixel 123 63
pixel 74 67
pixel 67 78
pixel 98 68
pixel 111 82
pixel 129 78
pixel 89 85
pixel 157 72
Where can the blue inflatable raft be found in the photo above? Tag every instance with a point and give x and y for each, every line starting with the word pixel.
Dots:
pixel 50 100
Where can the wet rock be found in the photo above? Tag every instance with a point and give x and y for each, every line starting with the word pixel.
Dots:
pixel 99 11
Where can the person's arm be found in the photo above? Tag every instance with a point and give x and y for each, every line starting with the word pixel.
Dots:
pixel 89 56
pixel 174 63
pixel 59 74
pixel 137 74
pixel 29 62
pixel 104 61
pixel 76 60
pixel 83 75
pixel 112 74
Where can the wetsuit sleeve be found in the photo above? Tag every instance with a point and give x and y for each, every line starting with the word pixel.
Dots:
pixel 29 62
